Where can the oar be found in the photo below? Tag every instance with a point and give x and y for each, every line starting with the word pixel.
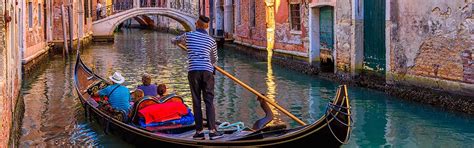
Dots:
pixel 254 91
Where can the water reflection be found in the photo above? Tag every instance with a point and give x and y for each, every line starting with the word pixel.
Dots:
pixel 53 117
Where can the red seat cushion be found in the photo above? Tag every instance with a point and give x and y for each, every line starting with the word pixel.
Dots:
pixel 163 112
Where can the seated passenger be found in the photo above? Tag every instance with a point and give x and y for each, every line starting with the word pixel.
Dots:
pixel 163 95
pixel 161 90
pixel 148 88
pixel 118 95
pixel 137 96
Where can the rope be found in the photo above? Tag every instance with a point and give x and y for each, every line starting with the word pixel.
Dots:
pixel 328 112
pixel 226 125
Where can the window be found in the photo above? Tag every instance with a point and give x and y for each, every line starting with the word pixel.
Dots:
pixel 252 13
pixel 39 14
pixel 30 14
pixel 86 9
pixel 295 17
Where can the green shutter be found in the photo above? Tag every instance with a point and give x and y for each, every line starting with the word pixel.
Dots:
pixel 374 35
pixel 326 35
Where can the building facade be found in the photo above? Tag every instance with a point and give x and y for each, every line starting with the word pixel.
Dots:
pixel 410 43
pixel 426 44
pixel 10 65
pixel 82 14
pixel 28 29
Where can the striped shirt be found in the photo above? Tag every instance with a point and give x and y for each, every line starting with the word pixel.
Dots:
pixel 202 50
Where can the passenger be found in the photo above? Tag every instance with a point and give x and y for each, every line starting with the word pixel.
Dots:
pixel 162 90
pixel 164 96
pixel 119 96
pixel 148 88
pixel 137 96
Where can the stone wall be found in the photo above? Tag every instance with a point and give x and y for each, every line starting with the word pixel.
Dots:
pixel 246 33
pixel 344 35
pixel 432 44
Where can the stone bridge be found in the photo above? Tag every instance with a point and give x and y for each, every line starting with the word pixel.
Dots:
pixel 112 16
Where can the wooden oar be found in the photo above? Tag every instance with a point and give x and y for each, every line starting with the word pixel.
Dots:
pixel 254 91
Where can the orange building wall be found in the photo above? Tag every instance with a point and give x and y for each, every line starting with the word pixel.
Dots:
pixel 285 38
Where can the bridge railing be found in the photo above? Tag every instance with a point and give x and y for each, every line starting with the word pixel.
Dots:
pixel 111 10
pixel 186 7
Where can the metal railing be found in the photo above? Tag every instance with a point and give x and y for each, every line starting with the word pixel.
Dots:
pixel 110 10
pixel 180 5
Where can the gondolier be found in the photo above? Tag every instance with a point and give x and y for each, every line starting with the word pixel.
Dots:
pixel 202 54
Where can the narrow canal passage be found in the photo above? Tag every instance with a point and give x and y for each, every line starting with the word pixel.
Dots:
pixel 53 115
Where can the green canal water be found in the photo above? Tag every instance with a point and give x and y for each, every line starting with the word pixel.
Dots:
pixel 54 117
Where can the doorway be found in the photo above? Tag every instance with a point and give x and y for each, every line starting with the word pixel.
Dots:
pixel 374 36
pixel 322 37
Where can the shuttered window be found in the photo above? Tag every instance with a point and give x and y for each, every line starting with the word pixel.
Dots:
pixel 295 17
pixel 30 14
pixel 39 14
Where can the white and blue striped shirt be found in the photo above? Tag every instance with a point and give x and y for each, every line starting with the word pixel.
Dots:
pixel 202 50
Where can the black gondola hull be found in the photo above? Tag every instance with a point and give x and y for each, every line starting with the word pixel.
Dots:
pixel 331 130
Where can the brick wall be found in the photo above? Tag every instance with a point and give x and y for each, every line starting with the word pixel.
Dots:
pixel 468 65
pixel 432 39
pixel 246 33
pixel 57 20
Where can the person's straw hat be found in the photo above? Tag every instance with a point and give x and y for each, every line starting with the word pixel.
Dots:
pixel 117 78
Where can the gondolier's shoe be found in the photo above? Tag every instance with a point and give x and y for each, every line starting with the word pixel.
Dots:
pixel 215 135
pixel 199 136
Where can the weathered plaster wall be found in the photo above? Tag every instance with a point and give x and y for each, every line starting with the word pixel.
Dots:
pixel 5 105
pixel 10 76
pixel 246 33
pixel 34 35
pixel 285 38
pixel 433 42
pixel 344 35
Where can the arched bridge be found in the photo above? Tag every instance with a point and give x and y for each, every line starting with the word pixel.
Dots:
pixel 111 16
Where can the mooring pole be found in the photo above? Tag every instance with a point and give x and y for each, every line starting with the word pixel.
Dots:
pixel 71 26
pixel 65 49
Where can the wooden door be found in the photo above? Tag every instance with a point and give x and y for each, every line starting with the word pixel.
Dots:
pixel 326 28
pixel 374 35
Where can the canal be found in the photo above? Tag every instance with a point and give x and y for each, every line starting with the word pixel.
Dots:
pixel 54 117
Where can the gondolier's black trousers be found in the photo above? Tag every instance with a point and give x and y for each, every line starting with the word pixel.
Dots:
pixel 202 84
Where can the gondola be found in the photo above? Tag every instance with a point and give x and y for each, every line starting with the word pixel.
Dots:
pixel 331 130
